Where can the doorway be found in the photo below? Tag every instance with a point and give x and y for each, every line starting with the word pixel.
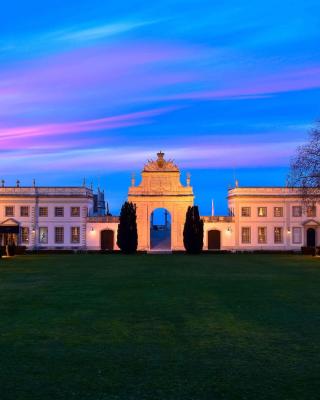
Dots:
pixel 311 237
pixel 214 240
pixel 107 239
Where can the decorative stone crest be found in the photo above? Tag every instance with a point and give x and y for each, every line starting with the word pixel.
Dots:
pixel 160 164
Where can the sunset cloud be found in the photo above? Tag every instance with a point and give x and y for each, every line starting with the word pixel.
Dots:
pixel 8 135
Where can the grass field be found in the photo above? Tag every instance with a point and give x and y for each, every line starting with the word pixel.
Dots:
pixel 160 327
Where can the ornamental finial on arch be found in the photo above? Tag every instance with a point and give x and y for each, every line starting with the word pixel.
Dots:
pixel 160 164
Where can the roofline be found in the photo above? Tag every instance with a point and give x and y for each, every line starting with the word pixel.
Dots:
pixel 267 187
pixel 273 187
pixel 45 187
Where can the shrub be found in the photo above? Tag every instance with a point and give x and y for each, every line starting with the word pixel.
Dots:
pixel 193 231
pixel 127 238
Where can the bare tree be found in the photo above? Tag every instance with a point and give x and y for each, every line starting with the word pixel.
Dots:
pixel 305 168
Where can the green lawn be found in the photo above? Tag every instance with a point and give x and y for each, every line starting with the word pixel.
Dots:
pixel 160 327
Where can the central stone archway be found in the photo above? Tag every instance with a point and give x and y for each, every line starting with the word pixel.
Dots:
pixel 160 187
pixel 160 230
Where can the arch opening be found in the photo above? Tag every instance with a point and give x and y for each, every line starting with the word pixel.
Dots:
pixel 160 229
pixel 107 239
pixel 214 240
pixel 311 237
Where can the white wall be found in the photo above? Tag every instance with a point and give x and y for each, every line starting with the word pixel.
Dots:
pixel 93 234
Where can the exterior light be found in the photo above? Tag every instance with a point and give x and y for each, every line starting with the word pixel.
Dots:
pixel 289 231
pixel 92 229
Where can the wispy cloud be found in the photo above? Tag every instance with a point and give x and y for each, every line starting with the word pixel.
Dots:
pixel 70 37
pixel 265 85
pixel 211 154
pixel 95 32
pixel 10 136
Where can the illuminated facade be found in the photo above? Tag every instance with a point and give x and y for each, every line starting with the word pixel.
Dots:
pixel 44 217
pixel 260 218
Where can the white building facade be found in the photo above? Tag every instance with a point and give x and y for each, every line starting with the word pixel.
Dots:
pixel 265 218
pixel 260 218
pixel 44 217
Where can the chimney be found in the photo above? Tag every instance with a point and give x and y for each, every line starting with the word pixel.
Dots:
pixel 188 178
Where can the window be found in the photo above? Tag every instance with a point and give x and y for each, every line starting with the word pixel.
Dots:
pixel 278 211
pixel 43 235
pixel 24 211
pixel 9 211
pixel 43 211
pixel 262 211
pixel 246 235
pixel 262 234
pixel 296 235
pixel 58 211
pixel 278 235
pixel 75 234
pixel 311 211
pixel 25 234
pixel 245 211
pixel 75 211
pixel 296 211
pixel 59 234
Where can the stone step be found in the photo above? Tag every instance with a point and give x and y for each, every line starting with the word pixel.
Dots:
pixel 157 251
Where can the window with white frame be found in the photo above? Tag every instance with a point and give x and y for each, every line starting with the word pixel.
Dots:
pixel 75 234
pixel 24 234
pixel 296 235
pixel 278 234
pixel 9 211
pixel 262 234
pixel 262 211
pixel 296 211
pixel 43 235
pixel 24 211
pixel 278 211
pixel 58 211
pixel 245 211
pixel 43 211
pixel 246 234
pixel 59 234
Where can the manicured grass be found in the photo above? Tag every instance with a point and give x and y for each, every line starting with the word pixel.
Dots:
pixel 159 327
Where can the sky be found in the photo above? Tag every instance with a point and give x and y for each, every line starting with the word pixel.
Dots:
pixel 95 88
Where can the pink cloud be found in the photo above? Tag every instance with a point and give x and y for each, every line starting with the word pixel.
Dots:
pixel 119 158
pixel 7 135
pixel 266 84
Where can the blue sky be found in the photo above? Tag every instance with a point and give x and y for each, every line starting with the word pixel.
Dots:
pixel 227 89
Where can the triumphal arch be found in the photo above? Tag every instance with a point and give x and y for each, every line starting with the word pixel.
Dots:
pixel 160 188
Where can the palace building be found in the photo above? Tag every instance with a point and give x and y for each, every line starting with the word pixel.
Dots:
pixel 260 218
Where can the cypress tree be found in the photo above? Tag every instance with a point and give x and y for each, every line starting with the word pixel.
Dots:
pixel 193 231
pixel 127 238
